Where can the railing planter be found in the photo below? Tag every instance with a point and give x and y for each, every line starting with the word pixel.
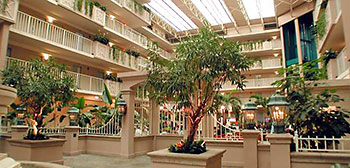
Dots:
pixel 8 11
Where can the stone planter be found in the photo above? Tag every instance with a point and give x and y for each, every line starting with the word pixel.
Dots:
pixel 39 150
pixel 7 96
pixel 165 159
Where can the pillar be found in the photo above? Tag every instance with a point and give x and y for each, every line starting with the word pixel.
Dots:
pixel 4 36
pixel 297 34
pixel 18 131
pixel 127 134
pixel 155 110
pixel 71 147
pixel 346 24
pixel 250 148
pixel 280 150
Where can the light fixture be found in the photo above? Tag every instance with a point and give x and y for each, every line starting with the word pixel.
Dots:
pixel 276 54
pixel 73 115
pixel 308 1
pixel 20 115
pixel 249 111
pixel 274 37
pixel 96 97
pixel 112 17
pixel 46 56
pixel 121 106
pixel 278 107
pixel 110 44
pixel 108 72
pixel 276 72
pixel 50 19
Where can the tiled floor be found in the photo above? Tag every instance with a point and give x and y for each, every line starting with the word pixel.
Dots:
pixel 95 161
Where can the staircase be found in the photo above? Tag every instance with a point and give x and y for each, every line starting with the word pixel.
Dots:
pixel 6 162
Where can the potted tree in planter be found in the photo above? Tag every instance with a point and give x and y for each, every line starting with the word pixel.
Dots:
pixel 42 87
pixel 202 65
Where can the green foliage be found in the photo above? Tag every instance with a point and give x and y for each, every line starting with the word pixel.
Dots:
pixel 227 100
pixel 308 114
pixel 262 101
pixel 101 39
pixel 41 87
pixel 328 55
pixel 321 25
pixel 133 53
pixel 86 6
pixel 197 147
pixel 4 5
pixel 337 165
pixel 252 45
pixel 79 4
pixel 39 136
pixel 202 65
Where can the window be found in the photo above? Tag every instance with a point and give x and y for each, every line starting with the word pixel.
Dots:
pixel 307 39
pixel 290 44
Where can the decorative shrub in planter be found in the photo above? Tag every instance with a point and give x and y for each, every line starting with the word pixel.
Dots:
pixel 101 39
pixel 328 55
pixel 193 81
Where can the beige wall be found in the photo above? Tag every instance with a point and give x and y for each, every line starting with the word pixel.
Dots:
pixel 163 141
pixel 318 160
pixel 234 152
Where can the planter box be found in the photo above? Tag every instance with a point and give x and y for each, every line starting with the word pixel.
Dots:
pixel 7 96
pixel 165 159
pixel 40 150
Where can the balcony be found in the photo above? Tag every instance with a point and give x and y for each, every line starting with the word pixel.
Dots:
pixel 267 64
pixel 84 83
pixel 261 47
pixel 97 14
pixel 137 10
pixel 37 29
pixel 8 10
pixel 254 84
pixel 333 33
pixel 343 65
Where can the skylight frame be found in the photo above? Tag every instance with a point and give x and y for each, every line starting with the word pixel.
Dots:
pixel 257 9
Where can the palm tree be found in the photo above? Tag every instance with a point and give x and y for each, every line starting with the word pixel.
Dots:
pixel 261 101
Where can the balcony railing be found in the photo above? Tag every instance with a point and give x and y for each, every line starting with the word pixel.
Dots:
pixel 343 65
pixel 126 32
pixel 84 83
pixel 254 83
pixel 97 14
pixel 47 32
pixel 258 46
pixel 271 63
pixel 8 10
pixel 138 10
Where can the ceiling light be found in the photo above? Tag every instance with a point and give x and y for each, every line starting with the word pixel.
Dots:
pixel 50 19
pixel 112 17
pixel 276 72
pixel 110 44
pixel 46 56
pixel 275 54
pixel 274 37
pixel 108 72
pixel 96 97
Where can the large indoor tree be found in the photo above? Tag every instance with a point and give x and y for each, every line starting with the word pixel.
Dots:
pixel 42 87
pixel 202 64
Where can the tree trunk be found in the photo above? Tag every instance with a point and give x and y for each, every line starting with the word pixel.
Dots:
pixel 192 132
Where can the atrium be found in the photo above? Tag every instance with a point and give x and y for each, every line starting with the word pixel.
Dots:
pixel 174 83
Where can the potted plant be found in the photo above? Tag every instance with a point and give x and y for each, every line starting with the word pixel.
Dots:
pixel 202 65
pixel 328 55
pixel 42 87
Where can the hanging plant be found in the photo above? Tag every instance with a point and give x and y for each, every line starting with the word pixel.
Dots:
pixel 103 8
pixel 324 4
pixel 328 55
pixel 101 39
pixel 86 7
pixel 321 25
pixel 115 52
pixel 147 9
pixel 4 5
pixel 79 5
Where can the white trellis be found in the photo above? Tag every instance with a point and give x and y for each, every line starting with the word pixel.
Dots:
pixel 111 128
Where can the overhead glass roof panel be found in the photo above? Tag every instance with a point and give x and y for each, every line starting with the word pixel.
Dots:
pixel 171 14
pixel 259 8
pixel 214 11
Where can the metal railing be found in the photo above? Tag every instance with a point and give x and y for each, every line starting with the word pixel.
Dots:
pixel 321 144
pixel 343 63
pixel 171 122
pixel 53 130
pixel 111 128
pixel 253 83
pixel 271 63
pixel 260 45
pixel 47 32
pixel 137 9
pixel 83 82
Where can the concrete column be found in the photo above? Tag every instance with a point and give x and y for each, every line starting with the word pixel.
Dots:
pixel 346 23
pixel 297 34
pixel 18 131
pixel 127 135
pixel 4 36
pixel 280 150
pixel 332 69
pixel 250 148
pixel 205 126
pixel 155 110
pixel 71 147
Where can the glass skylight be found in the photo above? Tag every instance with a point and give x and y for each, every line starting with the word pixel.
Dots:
pixel 266 8
pixel 171 14
pixel 215 11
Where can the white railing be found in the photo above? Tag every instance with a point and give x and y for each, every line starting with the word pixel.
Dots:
pixel 128 33
pixel 47 32
pixel 138 10
pixel 271 63
pixel 171 122
pixel 321 144
pixel 221 131
pixel 343 63
pixel 83 82
pixel 4 129
pixel 263 45
pixel 97 14
pixel 253 83
pixel 256 65
pixel 111 128
pixel 8 10
pixel 53 130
